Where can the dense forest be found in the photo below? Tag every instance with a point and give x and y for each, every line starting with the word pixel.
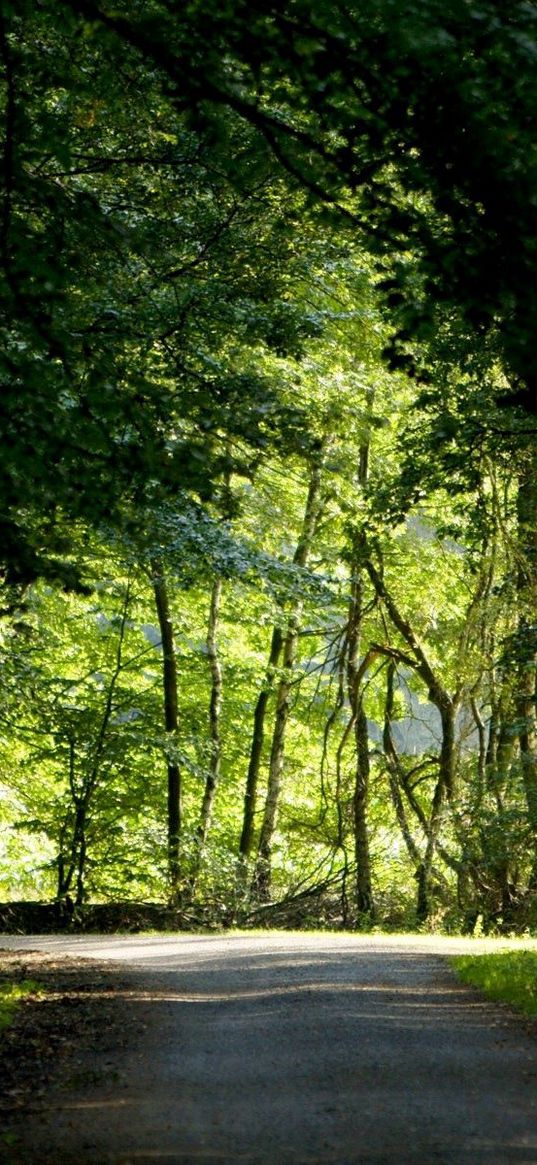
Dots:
pixel 268 479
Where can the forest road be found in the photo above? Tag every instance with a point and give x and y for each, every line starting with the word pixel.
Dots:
pixel 294 1049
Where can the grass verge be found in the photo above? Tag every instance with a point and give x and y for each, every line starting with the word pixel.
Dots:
pixel 11 995
pixel 509 976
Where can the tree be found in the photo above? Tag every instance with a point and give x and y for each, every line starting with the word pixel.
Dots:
pixel 289 641
pixel 78 709
pixel 418 123
pixel 130 243
pixel 171 725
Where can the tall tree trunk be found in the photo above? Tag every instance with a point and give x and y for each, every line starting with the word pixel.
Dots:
pixel 171 724
pixel 447 707
pixel 424 873
pixel 338 796
pixel 365 904
pixel 215 708
pixel 364 890
pixel 394 774
pixel 261 882
pixel 399 779
pixel 256 750
pixel 527 652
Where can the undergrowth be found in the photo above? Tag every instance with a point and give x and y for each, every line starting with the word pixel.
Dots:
pixel 508 976
pixel 11 995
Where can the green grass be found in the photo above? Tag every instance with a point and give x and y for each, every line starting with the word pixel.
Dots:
pixel 509 976
pixel 11 994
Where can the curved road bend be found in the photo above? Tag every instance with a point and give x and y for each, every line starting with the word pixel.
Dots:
pixel 289 1049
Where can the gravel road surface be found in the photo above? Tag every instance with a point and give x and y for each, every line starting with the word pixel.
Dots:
pixel 294 1049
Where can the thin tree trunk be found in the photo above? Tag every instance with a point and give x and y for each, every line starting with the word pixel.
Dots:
pixel 171 724
pixel 261 882
pixel 365 904
pixel 482 753
pixel 527 655
pixel 256 751
pixel 393 767
pixel 364 890
pixel 438 694
pixel 340 843
pixel 215 708
pixel 447 708
pixel 263 869
pixel 424 873
pixel 528 742
pixel 81 869
pixel 66 864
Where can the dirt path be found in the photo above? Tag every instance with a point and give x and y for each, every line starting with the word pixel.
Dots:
pixel 288 1049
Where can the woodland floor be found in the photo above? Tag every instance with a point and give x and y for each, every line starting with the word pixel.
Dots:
pixel 281 1049
pixel 77 1016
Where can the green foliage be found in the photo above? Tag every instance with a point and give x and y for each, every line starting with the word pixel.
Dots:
pixel 136 332
pixel 244 252
pixel 416 122
pixel 507 976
